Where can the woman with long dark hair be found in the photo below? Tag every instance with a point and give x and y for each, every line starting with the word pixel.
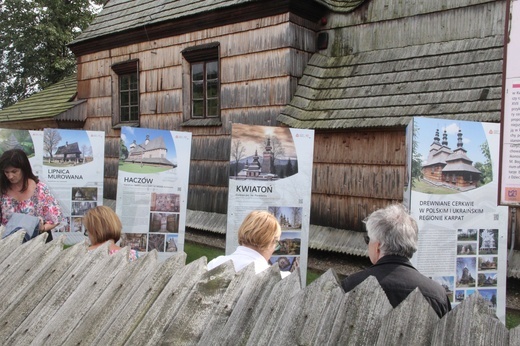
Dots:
pixel 22 192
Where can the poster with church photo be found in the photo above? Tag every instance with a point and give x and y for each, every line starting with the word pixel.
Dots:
pixel 271 169
pixel 454 192
pixel 73 167
pixel 152 189
pixel 28 141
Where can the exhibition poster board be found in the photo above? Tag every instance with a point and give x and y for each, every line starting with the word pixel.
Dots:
pixel 509 193
pixel 454 187
pixel 152 189
pixel 71 163
pixel 73 167
pixel 271 169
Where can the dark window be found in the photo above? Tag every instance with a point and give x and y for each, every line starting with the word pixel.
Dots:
pixel 126 97
pixel 204 81
pixel 205 89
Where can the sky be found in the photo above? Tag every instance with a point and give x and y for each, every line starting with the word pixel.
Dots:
pixel 253 138
pixel 128 134
pixel 473 136
pixel 73 136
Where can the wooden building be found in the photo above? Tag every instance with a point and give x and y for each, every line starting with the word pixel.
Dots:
pixel 355 71
pixel 450 168
pixel 55 107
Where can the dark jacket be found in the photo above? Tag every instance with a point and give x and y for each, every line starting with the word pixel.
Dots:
pixel 398 278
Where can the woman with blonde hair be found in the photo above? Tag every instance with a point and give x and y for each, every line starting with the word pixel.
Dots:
pixel 101 225
pixel 258 236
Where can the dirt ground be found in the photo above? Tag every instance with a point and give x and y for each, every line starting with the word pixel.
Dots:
pixel 344 265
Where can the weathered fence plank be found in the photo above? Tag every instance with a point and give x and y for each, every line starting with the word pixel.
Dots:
pixel 234 317
pixel 360 315
pixel 309 313
pixel 55 296
pixel 471 323
pixel 410 323
pixel 169 303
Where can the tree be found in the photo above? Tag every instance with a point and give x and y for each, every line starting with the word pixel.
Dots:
pixel 416 156
pixel 485 168
pixel 34 42
pixel 237 153
pixel 51 138
pixel 277 149
pixel 123 150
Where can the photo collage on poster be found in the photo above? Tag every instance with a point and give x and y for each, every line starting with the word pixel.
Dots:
pixel 163 230
pixel 477 264
pixel 287 254
pixel 82 199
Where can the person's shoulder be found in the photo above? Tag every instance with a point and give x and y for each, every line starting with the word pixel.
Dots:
pixel 355 279
pixel 217 261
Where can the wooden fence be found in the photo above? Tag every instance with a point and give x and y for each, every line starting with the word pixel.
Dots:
pixel 55 296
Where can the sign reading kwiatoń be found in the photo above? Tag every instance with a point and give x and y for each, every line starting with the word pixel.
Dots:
pixel 271 169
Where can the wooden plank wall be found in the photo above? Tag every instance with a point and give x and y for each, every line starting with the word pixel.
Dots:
pixel 260 62
pixel 350 181
pixel 52 296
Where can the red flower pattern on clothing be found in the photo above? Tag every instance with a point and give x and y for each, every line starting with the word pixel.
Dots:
pixel 41 204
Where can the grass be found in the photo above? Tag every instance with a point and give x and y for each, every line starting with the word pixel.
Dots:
pixel 138 168
pixel 512 318
pixel 421 186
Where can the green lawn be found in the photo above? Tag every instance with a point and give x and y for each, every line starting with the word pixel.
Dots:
pixel 512 318
pixel 421 186
pixel 136 168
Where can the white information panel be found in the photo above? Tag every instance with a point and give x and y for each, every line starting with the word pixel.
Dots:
pixel 454 188
pixel 510 168
pixel 73 167
pixel 152 189
pixel 271 169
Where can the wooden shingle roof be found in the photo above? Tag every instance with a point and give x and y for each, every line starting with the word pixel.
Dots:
pixel 123 22
pixel 384 88
pixel 53 102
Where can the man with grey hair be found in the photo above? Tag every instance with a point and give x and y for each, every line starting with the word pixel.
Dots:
pixel 392 240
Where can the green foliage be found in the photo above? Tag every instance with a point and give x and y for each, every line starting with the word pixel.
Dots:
pixel 123 150
pixel 485 168
pixel 34 42
pixel 416 156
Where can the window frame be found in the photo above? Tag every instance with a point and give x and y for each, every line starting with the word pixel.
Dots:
pixel 201 55
pixel 121 70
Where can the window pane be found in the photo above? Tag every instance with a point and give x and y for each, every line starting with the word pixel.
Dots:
pixel 128 97
pixel 124 114
pixel 212 89
pixel 198 108
pixel 134 113
pixel 197 72
pixel 125 98
pixel 124 83
pixel 212 70
pixel 134 98
pixel 198 90
pixel 133 81
pixel 212 108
